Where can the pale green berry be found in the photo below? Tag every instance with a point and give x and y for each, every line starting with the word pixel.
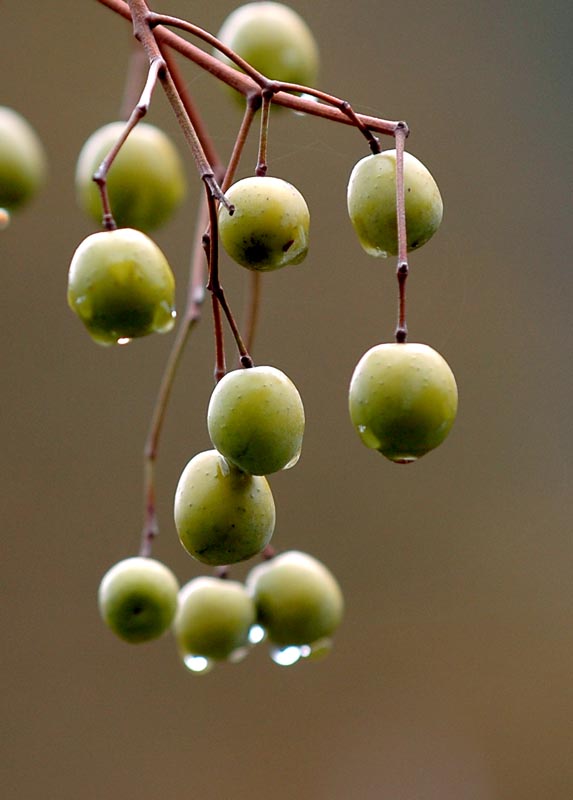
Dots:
pixel 222 514
pixel 146 181
pixel 371 202
pixel 22 160
pixel 274 40
pixel 256 420
pixel 121 286
pixel 214 617
pixel 137 599
pixel 298 600
pixel 403 400
pixel 269 228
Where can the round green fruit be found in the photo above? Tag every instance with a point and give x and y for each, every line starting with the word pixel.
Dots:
pixel 22 160
pixel 222 514
pixel 214 617
pixel 270 225
pixel 298 599
pixel 403 400
pixel 372 203
pixel 121 286
pixel 274 40
pixel 137 599
pixel 256 420
pixel 145 183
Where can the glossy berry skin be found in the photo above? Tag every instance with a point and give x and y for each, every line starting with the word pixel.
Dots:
pixel 137 599
pixel 270 226
pixel 371 200
pixel 121 286
pixel 403 400
pixel 256 420
pixel 222 515
pixel 146 181
pixel 273 39
pixel 298 599
pixel 22 160
pixel 213 618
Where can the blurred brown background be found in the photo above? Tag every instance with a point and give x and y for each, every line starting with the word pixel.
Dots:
pixel 452 674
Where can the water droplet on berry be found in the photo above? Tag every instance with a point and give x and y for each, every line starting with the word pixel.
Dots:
pixel 197 664
pixel 286 656
pixel 257 634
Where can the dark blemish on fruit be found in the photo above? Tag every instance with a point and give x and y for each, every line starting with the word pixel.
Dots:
pixel 288 245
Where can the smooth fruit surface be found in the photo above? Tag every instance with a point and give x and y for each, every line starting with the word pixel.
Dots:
pixel 222 514
pixel 273 39
pixel 137 599
pixel 22 160
pixel 146 181
pixel 403 400
pixel 371 200
pixel 270 226
pixel 121 286
pixel 213 618
pixel 298 600
pixel 256 419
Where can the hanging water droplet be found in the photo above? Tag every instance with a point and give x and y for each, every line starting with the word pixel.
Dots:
pixel 257 634
pixel 293 461
pixel 4 218
pixel 286 656
pixel 124 340
pixel 197 664
pixel 320 649
pixel 239 654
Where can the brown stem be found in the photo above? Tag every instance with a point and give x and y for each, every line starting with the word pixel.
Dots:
pixel 262 166
pixel 214 285
pixel 140 110
pixel 191 316
pixel 253 308
pixel 247 86
pixel 402 268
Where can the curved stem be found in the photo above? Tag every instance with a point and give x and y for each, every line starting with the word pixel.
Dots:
pixel 247 86
pixel 191 316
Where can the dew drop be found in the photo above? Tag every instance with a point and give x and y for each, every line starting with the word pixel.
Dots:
pixel 320 649
pixel 124 340
pixel 4 218
pixel 257 634
pixel 238 655
pixel 286 656
pixel 293 461
pixel 197 664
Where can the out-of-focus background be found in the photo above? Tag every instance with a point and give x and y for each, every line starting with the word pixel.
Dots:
pixel 451 676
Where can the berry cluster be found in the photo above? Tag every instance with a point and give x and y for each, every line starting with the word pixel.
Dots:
pixel 402 396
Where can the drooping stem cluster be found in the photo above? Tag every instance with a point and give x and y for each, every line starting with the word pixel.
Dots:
pixel 159 43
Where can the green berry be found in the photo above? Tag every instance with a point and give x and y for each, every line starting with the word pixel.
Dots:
pixel 403 400
pixel 372 203
pixel 213 618
pixel 222 514
pixel 274 40
pixel 138 599
pixel 121 286
pixel 270 225
pixel 22 160
pixel 146 181
pixel 256 420
pixel 298 599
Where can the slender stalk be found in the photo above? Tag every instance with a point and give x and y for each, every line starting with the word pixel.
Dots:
pixel 214 285
pixel 191 316
pixel 402 268
pixel 247 86
pixel 140 110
